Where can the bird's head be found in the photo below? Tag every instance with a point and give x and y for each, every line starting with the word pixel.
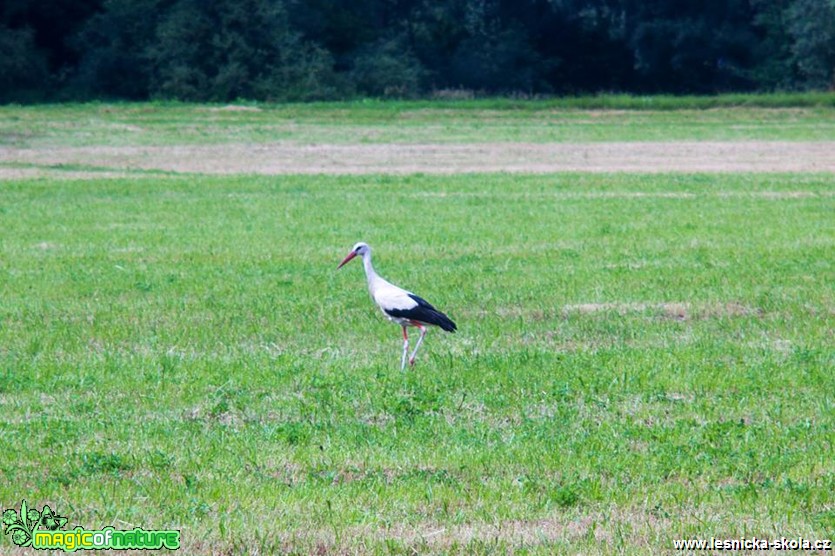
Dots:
pixel 360 249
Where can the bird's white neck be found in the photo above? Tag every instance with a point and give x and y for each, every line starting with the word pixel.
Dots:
pixel 370 274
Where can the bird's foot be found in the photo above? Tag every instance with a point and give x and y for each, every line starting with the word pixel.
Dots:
pixel 411 361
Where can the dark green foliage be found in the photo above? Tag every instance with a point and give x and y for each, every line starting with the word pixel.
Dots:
pixel 190 50
pixel 496 60
pixel 225 49
pixel 387 69
pixel 797 50
pixel 773 69
pixel 52 23
pixel 114 42
pixel 22 66
pixel 811 24
pixel 221 50
pixel 702 46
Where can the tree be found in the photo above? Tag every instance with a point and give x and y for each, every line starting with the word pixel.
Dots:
pixel 772 68
pixel 691 46
pixel 811 24
pixel 23 68
pixel 36 54
pixel 115 43
pixel 221 50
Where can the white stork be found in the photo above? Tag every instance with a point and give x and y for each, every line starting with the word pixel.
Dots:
pixel 398 305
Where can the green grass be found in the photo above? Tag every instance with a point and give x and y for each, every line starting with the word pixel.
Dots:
pixel 640 358
pixel 587 119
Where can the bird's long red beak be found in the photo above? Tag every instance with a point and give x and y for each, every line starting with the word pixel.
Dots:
pixel 350 256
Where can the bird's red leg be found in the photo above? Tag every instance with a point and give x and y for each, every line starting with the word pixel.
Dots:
pixel 417 345
pixel 405 348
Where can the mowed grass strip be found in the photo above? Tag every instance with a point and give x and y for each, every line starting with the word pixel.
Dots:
pixel 582 120
pixel 640 358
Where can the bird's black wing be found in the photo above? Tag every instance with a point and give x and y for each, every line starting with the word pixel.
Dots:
pixel 424 312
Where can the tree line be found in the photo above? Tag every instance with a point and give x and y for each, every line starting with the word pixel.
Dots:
pixel 279 50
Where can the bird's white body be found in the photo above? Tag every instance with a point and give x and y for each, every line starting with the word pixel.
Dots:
pixel 386 295
pixel 398 305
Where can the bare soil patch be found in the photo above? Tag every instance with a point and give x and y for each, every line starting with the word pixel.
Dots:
pixel 751 156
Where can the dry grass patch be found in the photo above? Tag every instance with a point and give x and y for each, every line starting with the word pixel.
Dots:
pixel 672 310
pixel 234 108
pixel 400 158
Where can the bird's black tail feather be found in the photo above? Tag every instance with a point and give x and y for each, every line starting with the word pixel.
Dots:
pixel 443 321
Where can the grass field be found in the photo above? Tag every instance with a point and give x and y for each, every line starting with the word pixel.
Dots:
pixel 607 119
pixel 640 357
